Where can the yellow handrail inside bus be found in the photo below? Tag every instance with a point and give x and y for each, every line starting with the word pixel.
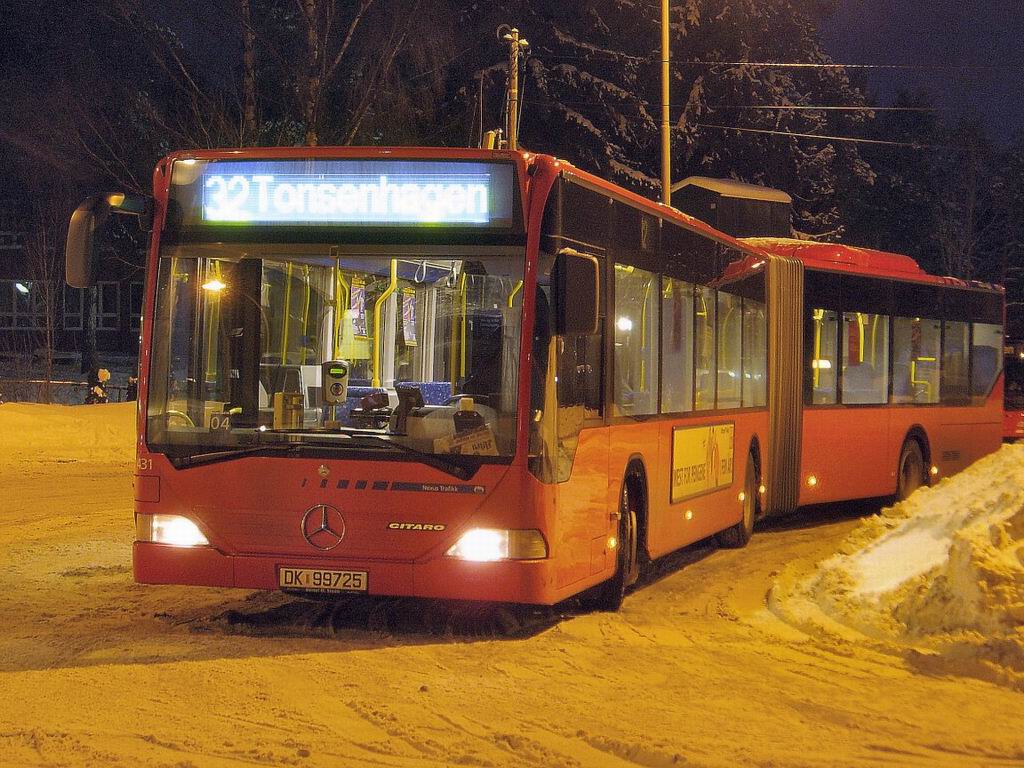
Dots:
pixel 921 382
pixel 860 332
pixel 377 307
pixel 512 296
pixel 462 338
pixel 819 315
pixel 211 328
pixel 643 336
pixel 342 292
pixel 287 314
pixel 305 314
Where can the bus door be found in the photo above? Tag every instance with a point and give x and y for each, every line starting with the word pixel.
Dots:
pixel 582 459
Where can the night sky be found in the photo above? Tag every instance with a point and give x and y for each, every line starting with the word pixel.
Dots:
pixel 985 35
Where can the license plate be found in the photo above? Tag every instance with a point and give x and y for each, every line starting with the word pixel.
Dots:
pixel 321 580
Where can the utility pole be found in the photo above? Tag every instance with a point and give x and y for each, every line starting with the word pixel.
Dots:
pixel 666 135
pixel 515 45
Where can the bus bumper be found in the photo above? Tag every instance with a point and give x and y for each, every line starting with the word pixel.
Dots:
pixel 512 581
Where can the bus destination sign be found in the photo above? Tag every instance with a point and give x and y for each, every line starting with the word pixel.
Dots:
pixel 347 193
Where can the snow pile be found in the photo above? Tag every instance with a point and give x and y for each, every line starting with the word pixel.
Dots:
pixel 31 432
pixel 941 574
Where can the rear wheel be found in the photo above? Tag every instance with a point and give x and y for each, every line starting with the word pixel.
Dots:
pixel 910 470
pixel 608 596
pixel 740 534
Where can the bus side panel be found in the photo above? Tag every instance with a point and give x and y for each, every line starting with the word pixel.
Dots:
pixel 848 453
pixel 583 523
pixel 669 527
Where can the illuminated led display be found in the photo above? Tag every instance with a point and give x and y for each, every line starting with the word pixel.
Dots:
pixel 346 192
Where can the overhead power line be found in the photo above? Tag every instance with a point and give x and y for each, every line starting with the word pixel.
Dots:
pixel 779 107
pixel 786 64
pixel 819 137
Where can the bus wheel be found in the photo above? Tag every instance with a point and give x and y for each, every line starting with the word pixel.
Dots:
pixel 910 474
pixel 608 596
pixel 740 534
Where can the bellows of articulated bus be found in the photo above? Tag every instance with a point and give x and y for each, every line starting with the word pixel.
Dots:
pixel 736 208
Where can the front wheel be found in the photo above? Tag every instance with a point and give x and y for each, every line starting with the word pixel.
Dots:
pixel 740 534
pixel 910 470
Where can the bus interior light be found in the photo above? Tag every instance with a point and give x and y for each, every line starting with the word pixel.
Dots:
pixel 484 545
pixel 174 530
pixel 214 286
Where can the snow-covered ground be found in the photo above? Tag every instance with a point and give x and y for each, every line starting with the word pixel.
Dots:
pixel 939 578
pixel 695 670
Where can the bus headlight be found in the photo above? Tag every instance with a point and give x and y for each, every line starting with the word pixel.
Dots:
pixel 175 530
pixel 483 545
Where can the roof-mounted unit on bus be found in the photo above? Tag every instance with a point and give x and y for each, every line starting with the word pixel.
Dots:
pixel 734 207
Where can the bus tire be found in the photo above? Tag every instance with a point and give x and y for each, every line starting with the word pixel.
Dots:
pixel 738 535
pixel 609 595
pixel 910 471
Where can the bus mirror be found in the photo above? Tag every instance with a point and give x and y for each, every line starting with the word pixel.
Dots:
pixel 577 288
pixel 82 230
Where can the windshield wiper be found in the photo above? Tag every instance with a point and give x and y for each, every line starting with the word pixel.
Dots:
pixel 445 464
pixel 211 457
pixel 449 466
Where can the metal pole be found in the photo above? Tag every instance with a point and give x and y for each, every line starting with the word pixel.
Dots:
pixel 513 89
pixel 666 136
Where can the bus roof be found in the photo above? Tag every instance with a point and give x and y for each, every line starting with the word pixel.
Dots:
pixel 836 257
pixel 814 255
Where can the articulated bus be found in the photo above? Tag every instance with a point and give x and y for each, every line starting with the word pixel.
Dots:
pixel 487 375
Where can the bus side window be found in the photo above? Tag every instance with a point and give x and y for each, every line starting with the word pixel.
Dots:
pixel 755 354
pixel 636 346
pixel 865 358
pixel 955 362
pixel 823 358
pixel 704 348
pixel 676 346
pixel 730 350
pixel 986 359
pixel 915 368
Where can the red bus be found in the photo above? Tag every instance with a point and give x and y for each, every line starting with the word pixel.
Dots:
pixel 487 375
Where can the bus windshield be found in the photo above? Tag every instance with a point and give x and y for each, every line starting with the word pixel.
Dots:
pixel 340 348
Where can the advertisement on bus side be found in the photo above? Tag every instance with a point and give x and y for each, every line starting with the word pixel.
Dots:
pixel 702 459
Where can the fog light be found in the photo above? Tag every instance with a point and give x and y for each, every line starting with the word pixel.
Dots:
pixel 812 481
pixel 175 530
pixel 483 545
pixel 935 471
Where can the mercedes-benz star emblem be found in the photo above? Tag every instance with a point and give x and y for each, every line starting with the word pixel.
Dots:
pixel 323 527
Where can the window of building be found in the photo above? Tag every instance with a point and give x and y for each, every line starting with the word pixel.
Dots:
pixel 108 306
pixel 706 366
pixel 915 367
pixel 956 367
pixel 824 358
pixel 676 346
pixel 986 359
pixel 73 303
pixel 21 305
pixel 730 351
pixel 636 341
pixel 755 354
pixel 865 358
